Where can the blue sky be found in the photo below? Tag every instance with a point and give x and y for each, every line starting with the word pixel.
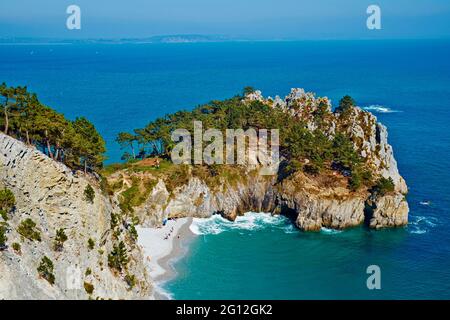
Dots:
pixel 258 19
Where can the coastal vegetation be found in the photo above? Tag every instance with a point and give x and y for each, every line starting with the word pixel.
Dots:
pixel 118 258
pixel 88 287
pixel 91 244
pixel 89 193
pixel 60 238
pixel 7 202
pixel 75 143
pixel 383 186
pixel 17 247
pixel 3 237
pixel 27 229
pixel 45 270
pixel 310 151
pixel 130 279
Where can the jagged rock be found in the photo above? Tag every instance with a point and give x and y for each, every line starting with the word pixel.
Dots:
pixel 388 211
pixel 313 207
pixel 53 197
pixel 155 204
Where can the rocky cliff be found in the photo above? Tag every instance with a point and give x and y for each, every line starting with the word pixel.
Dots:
pixel 52 196
pixel 312 201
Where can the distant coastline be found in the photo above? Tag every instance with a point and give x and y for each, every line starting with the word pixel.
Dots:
pixel 181 38
pixel 177 38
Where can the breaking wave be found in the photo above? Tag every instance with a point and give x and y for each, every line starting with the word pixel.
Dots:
pixel 379 109
pixel 329 231
pixel 250 221
pixel 421 224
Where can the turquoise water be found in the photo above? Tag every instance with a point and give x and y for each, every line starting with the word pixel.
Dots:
pixel 405 83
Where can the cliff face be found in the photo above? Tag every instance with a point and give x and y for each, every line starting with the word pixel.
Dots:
pixel 310 205
pixel 312 202
pixel 52 196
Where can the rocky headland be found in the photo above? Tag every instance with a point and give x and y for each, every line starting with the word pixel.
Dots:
pixel 313 201
pixel 98 212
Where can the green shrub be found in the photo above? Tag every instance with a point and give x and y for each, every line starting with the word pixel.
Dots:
pixel 118 258
pixel 345 104
pixel 384 186
pixel 3 237
pixel 88 271
pixel 89 193
pixel 89 288
pixel 27 229
pixel 355 181
pixel 17 247
pixel 133 232
pixel 130 279
pixel 4 214
pixel 91 244
pixel 7 200
pixel 60 238
pixel 248 90
pixel 45 270
pixel 312 169
pixel 114 220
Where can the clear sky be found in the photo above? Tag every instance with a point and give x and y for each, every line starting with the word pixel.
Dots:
pixel 258 19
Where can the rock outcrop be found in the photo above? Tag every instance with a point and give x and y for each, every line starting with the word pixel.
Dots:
pixel 52 196
pixel 312 204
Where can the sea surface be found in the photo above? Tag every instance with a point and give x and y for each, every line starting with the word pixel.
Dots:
pixel 405 83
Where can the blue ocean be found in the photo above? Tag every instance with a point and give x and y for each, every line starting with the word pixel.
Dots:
pixel 406 84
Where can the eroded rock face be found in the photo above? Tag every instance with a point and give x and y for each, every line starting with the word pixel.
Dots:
pixel 315 207
pixel 371 140
pixel 53 197
pixel 196 199
pixel 388 211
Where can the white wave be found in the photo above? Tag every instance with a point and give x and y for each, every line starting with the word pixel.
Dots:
pixel 329 231
pixel 425 203
pixel 290 228
pixel 379 109
pixel 418 231
pixel 420 220
pixel 163 292
pixel 421 224
pixel 250 221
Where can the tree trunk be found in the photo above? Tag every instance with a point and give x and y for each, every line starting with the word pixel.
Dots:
pixel 132 150
pixel 28 137
pixel 49 149
pixel 85 166
pixel 6 117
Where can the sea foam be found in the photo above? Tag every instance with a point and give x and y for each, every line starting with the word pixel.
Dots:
pixel 379 109
pixel 421 224
pixel 250 221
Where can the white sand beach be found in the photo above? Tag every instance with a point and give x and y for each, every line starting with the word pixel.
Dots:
pixel 162 246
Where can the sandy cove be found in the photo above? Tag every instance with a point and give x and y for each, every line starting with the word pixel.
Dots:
pixel 162 246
